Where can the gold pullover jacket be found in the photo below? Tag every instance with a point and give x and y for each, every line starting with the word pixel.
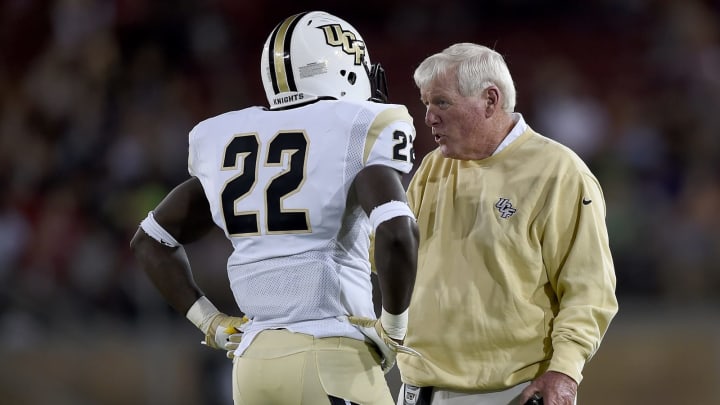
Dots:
pixel 515 275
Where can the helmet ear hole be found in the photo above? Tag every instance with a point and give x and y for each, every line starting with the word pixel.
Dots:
pixel 351 77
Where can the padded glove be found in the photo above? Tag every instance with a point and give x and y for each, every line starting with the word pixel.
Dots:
pixel 221 328
pixel 388 347
pixel 235 335
pixel 216 325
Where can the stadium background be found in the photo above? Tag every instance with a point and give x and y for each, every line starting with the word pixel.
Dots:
pixel 97 98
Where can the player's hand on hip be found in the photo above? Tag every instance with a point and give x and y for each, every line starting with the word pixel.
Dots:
pixel 233 340
pixel 222 327
pixel 388 347
pixel 215 325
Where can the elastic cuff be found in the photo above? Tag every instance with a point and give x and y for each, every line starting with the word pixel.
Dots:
pixel 153 229
pixel 567 359
pixel 388 211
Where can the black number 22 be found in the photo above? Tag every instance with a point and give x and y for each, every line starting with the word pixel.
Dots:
pixel 401 143
pixel 279 220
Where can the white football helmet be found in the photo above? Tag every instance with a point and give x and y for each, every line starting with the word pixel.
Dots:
pixel 315 54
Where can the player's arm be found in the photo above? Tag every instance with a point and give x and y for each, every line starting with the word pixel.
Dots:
pixel 183 216
pixel 381 194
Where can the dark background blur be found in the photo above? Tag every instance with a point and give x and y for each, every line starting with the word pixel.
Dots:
pixel 97 98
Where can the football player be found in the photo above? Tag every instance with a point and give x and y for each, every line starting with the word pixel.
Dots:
pixel 298 188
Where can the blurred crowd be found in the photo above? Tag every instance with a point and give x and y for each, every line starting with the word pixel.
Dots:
pixel 97 98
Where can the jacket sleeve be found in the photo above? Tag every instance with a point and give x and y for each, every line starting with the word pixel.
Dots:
pixel 581 272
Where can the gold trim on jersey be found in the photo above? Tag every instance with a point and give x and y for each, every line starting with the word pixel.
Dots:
pixel 380 122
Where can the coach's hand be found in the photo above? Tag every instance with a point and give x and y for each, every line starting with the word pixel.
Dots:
pixel 388 347
pixel 554 387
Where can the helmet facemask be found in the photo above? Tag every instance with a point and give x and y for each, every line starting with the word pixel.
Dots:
pixel 378 84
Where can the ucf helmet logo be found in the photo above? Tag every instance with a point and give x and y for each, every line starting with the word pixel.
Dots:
pixel 336 36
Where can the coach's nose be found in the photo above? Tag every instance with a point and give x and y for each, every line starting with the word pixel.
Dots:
pixel 431 119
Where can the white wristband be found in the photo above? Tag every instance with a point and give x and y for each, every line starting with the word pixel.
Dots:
pixel 395 325
pixel 389 210
pixel 201 312
pixel 157 232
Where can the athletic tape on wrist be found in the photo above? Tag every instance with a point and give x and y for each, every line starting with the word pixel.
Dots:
pixel 157 232
pixel 389 210
pixel 395 325
pixel 201 312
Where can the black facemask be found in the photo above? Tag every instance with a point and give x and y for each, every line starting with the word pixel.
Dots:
pixel 378 84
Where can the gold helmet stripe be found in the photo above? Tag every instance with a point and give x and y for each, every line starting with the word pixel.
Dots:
pixel 279 54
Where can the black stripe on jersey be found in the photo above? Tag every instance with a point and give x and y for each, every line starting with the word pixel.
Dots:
pixel 286 52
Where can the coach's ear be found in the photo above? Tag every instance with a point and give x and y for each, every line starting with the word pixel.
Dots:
pixel 492 100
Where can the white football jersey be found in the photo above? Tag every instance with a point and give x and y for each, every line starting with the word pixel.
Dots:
pixel 278 184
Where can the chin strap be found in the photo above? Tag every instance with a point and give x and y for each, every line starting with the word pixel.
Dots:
pixel 378 84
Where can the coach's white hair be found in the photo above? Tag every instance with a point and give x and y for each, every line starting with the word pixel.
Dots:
pixel 478 67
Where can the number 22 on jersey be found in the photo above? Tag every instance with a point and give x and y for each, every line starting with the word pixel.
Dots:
pixel 245 148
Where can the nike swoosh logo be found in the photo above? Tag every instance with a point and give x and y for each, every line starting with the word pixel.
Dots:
pixel 586 202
